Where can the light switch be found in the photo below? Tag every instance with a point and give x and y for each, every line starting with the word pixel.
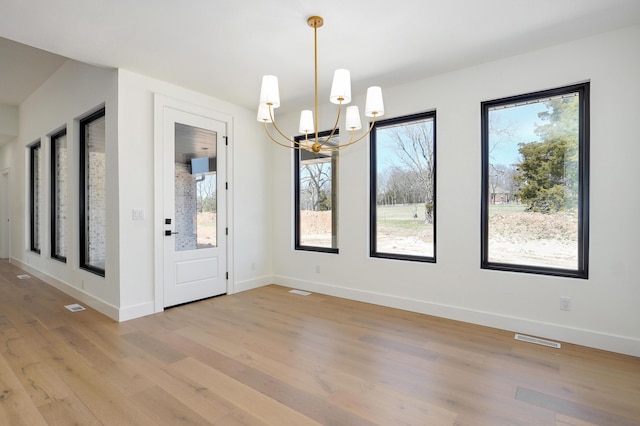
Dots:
pixel 138 214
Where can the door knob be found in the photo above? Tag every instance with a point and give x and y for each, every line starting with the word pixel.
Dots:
pixel 168 233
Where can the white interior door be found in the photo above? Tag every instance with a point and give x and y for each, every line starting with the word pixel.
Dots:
pixel 5 229
pixel 194 237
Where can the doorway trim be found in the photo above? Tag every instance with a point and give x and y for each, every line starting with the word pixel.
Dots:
pixel 161 102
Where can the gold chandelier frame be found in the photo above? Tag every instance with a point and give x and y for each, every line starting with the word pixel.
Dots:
pixel 270 100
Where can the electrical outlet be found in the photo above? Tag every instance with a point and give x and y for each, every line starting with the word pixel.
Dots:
pixel 565 303
pixel 317 269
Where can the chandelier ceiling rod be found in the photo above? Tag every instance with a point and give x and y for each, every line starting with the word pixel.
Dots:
pixel 340 94
pixel 316 22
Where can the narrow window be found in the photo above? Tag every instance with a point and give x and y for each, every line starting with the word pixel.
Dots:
pixel 92 193
pixel 535 179
pixel 316 212
pixel 403 188
pixel 35 196
pixel 59 179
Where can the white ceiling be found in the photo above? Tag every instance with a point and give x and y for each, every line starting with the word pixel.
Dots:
pixel 222 48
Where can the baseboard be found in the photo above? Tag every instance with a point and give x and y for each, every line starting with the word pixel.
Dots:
pixel 252 283
pixel 136 311
pixel 83 297
pixel 589 338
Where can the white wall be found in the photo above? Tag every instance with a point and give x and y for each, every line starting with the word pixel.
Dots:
pixel 250 262
pixel 604 308
pixel 70 93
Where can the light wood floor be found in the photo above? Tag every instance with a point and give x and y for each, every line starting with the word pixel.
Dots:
pixel 269 357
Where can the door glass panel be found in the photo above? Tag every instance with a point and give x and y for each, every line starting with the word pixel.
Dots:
pixel 195 188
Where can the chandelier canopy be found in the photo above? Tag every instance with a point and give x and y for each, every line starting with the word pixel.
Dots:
pixel 340 95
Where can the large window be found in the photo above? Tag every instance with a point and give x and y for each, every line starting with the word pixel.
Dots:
pixel 93 193
pixel 316 212
pixel 403 188
pixel 35 196
pixel 535 179
pixel 59 179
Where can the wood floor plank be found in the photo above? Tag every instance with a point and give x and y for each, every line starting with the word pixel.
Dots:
pixel 153 346
pixel 239 417
pixel 126 378
pixel 245 397
pixel 164 409
pixel 83 346
pixel 42 384
pixel 572 409
pixel 16 407
pixel 200 399
pixel 39 381
pixel 562 420
pixel 68 411
pixel 89 385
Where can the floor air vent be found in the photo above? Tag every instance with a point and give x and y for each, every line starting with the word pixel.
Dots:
pixel 537 341
pixel 75 307
pixel 300 292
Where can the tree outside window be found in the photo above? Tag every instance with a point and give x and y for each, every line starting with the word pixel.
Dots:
pixel 403 188
pixel 316 213
pixel 535 179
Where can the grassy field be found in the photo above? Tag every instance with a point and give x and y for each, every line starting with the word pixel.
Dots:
pixel 401 230
pixel 401 212
pixel 515 236
pixel 506 209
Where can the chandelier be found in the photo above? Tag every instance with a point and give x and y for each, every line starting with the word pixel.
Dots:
pixel 340 95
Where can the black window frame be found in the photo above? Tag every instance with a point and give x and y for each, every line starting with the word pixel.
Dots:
pixel 82 180
pixel 373 182
pixel 582 270
pixel 34 243
pixel 53 187
pixel 334 195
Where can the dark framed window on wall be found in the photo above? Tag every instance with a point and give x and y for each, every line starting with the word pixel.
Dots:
pixel 59 189
pixel 35 196
pixel 92 193
pixel 403 188
pixel 535 182
pixel 315 199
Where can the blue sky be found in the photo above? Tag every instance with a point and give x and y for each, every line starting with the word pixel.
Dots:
pixel 386 149
pixel 520 121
